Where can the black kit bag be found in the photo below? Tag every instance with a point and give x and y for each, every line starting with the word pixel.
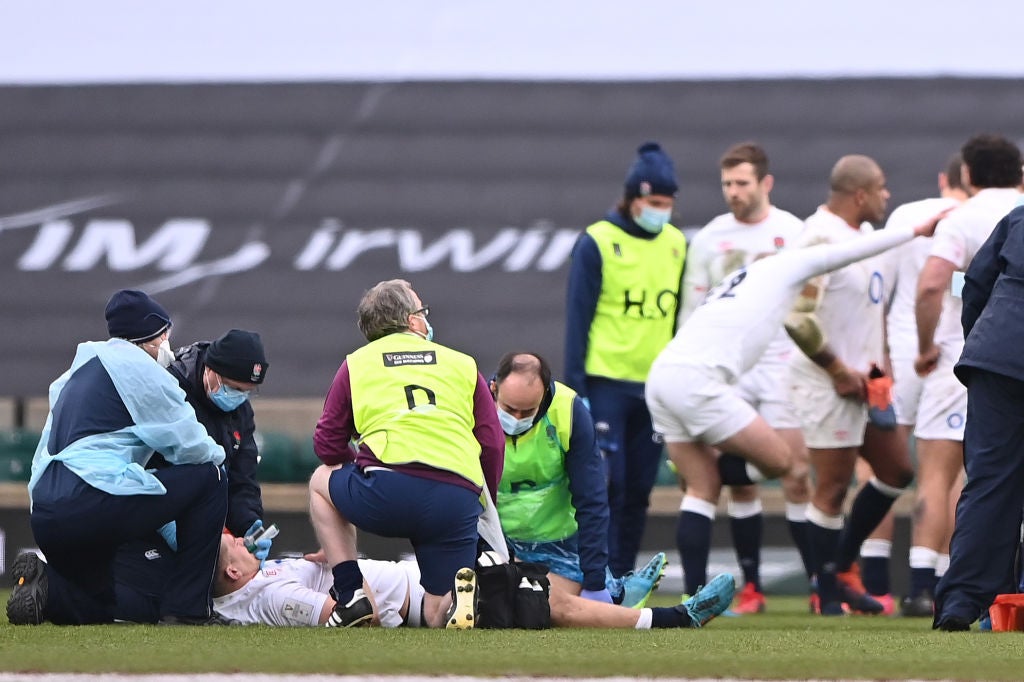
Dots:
pixel 513 595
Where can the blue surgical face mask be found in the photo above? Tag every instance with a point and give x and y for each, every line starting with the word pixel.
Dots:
pixel 227 398
pixel 653 219
pixel 429 336
pixel 513 426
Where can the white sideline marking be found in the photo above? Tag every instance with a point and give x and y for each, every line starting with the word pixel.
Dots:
pixel 249 677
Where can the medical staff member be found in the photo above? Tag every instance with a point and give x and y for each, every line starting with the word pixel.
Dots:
pixel 218 378
pixel 552 500
pixel 428 440
pixel 90 490
pixel 623 297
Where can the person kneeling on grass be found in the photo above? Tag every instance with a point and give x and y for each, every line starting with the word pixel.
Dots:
pixel 295 592
pixel 552 497
pixel 414 425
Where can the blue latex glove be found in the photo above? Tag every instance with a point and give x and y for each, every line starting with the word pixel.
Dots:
pixel 169 532
pixel 598 595
pixel 261 549
pixel 586 402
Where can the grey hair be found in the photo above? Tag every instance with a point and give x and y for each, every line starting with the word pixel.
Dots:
pixel 385 309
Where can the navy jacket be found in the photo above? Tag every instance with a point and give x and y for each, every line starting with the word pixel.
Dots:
pixel 233 430
pixel 993 305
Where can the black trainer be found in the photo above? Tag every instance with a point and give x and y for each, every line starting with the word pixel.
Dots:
pixel 921 606
pixel 28 599
pixel 953 624
pixel 356 613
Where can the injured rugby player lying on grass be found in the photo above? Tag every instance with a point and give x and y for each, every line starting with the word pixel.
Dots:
pixel 296 592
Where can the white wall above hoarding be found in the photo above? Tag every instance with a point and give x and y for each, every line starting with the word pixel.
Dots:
pixel 103 41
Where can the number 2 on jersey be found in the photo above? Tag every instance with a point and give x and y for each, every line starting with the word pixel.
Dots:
pixel 725 288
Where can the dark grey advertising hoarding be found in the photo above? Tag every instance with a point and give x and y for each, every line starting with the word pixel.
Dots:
pixel 273 207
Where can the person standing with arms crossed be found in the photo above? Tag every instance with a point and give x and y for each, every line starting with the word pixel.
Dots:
pixel 621 307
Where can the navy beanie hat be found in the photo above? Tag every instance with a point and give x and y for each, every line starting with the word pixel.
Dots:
pixel 651 173
pixel 134 316
pixel 238 355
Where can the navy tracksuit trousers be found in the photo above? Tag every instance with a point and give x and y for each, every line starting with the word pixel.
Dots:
pixel 632 456
pixel 79 529
pixel 988 515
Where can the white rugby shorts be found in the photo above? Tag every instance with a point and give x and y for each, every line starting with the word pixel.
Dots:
pixel 766 388
pixel 942 411
pixel 692 403
pixel 828 420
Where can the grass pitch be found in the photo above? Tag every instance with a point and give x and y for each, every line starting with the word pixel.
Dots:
pixel 785 643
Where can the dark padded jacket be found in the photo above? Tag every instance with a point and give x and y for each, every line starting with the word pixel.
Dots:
pixel 993 303
pixel 233 430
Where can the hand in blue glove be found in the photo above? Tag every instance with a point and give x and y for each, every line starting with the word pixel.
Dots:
pixel 586 402
pixel 169 531
pixel 260 548
pixel 597 595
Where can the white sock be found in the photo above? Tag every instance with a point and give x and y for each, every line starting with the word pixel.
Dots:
pixel 744 510
pixel 876 548
pixel 942 565
pixel 796 512
pixel 922 557
pixel 823 520
pixel 886 489
pixel 645 620
pixel 698 506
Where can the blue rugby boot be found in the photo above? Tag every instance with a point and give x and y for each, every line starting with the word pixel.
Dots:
pixel 638 586
pixel 711 600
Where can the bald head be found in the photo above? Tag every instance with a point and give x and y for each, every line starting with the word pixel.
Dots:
pixel 854 172
pixel 519 383
pixel 858 190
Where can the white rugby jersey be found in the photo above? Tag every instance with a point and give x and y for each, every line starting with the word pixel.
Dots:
pixel 906 262
pixel 726 244
pixel 957 239
pixel 851 306
pixel 741 316
pixel 291 592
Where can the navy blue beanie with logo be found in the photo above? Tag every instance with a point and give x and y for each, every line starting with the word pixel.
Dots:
pixel 134 316
pixel 651 173
pixel 238 355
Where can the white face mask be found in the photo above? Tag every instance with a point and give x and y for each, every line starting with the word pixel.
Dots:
pixel 164 354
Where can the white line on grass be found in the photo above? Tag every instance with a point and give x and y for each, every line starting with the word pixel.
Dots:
pixel 248 677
